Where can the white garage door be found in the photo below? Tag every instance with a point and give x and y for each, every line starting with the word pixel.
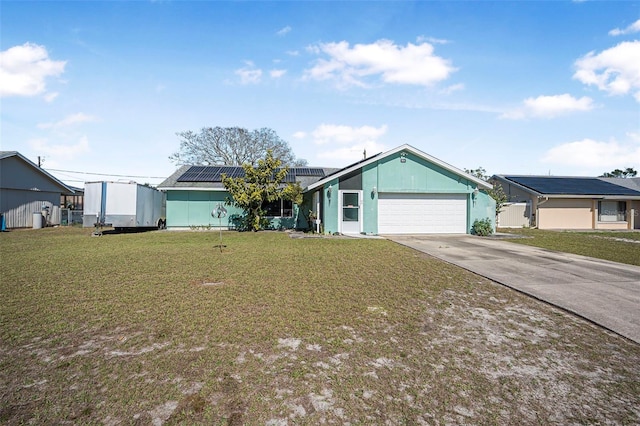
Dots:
pixel 422 213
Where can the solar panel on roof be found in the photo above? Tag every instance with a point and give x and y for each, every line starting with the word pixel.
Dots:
pixel 208 175
pixel 307 171
pixel 214 173
pixel 191 174
pixel 571 185
pixel 234 172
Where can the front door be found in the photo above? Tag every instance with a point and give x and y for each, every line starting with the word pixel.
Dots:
pixel 350 212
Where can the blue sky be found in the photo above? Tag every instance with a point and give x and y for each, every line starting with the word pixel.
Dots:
pixel 539 87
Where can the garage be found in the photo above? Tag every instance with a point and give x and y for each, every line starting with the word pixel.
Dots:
pixel 400 213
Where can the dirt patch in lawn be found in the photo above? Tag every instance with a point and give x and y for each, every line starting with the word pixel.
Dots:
pixel 479 356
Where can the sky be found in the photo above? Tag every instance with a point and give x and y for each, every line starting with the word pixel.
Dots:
pixel 99 90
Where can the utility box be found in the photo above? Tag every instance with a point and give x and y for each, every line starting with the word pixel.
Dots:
pixel 123 205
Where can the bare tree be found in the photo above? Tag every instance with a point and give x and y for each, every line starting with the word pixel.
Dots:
pixel 232 146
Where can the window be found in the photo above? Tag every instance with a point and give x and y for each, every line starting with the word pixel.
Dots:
pixel 612 211
pixel 279 208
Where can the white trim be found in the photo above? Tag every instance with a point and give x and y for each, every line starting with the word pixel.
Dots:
pixel 419 213
pixel 340 206
pixel 405 147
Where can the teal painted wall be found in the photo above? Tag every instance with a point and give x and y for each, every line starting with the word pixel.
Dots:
pixel 483 207
pixel 330 213
pixel 417 175
pixel 414 175
pixel 193 208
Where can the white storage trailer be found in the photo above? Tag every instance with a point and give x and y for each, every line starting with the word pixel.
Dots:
pixel 123 205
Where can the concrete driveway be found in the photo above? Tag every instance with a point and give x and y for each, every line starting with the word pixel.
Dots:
pixel 606 293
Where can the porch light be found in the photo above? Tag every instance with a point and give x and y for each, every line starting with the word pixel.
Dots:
pixel 374 191
pixel 329 192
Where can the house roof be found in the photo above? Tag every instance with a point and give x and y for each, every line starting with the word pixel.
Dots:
pixel 572 186
pixel 210 177
pixel 355 166
pixel 8 154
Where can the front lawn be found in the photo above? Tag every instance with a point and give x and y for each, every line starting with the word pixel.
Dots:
pixel 163 328
pixel 616 246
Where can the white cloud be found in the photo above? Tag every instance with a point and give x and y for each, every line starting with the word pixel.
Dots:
pixel 347 155
pixel 615 70
pixel 351 66
pixel 277 73
pixel 60 152
pixel 633 28
pixel 24 70
pixel 293 53
pixel 453 88
pixel 69 120
pixel 432 40
pixel 284 31
pixel 634 136
pixel 249 74
pixel 596 155
pixel 51 96
pixel 549 106
pixel 339 134
pixel 345 144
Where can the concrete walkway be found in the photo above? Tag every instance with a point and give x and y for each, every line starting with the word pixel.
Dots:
pixel 606 293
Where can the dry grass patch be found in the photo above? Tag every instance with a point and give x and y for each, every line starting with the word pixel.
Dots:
pixel 123 329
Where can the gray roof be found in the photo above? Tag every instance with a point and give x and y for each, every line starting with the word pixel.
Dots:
pixel 631 183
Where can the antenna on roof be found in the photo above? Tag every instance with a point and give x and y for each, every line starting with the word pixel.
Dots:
pixel 364 154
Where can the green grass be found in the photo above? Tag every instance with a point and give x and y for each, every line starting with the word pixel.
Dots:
pixel 616 246
pixel 120 328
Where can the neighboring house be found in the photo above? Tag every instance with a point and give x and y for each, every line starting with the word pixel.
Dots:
pixel 26 189
pixel 402 191
pixel 555 202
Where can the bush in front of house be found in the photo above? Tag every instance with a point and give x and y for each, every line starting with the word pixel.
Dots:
pixel 482 227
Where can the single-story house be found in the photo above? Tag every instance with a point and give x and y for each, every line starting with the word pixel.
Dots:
pixel 556 202
pixel 26 189
pixel 193 193
pixel 401 191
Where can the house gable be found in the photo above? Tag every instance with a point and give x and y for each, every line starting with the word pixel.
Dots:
pixel 408 153
pixel 407 172
pixel 18 173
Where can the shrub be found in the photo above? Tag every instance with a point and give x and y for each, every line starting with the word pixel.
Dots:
pixel 482 227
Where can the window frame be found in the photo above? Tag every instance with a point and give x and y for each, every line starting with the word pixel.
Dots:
pixel 605 206
pixel 285 208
